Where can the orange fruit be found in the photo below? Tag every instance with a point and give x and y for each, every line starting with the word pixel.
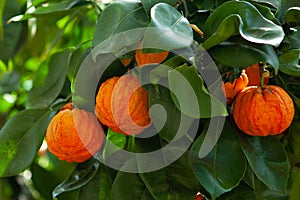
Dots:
pixel 122 105
pixel 253 73
pixel 232 89
pixel 149 58
pixel 263 111
pixel 74 135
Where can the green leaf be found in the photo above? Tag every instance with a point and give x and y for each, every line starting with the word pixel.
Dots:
pixel 21 138
pixel 58 173
pixel 2 5
pixel 263 192
pixel 273 3
pixel 83 173
pixel 160 72
pixel 294 38
pixel 241 192
pixel 241 17
pixel 169 184
pixel 58 6
pixel 118 141
pixel 284 6
pixel 9 82
pixel 10 41
pixel 129 186
pixel 148 4
pixel 223 168
pixel 168 29
pixel 292 16
pixel 295 193
pixel 268 159
pixel 99 187
pixel 240 53
pixel 76 59
pixel 185 82
pixel 289 62
pixel 166 118
pixel 91 72
pixel 51 8
pixel 117 18
pixel 44 92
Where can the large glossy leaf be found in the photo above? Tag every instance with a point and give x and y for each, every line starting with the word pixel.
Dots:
pixel 292 16
pixel 168 29
pixel 263 192
pixel 21 138
pixel 223 168
pixel 166 118
pixel 129 186
pixel 9 42
pixel 289 62
pixel 273 3
pixel 46 88
pixel 83 173
pixel 284 6
pixel 148 4
pixel 119 18
pixel 58 173
pixel 240 17
pixel 99 187
pixel 169 183
pixel 268 159
pixel 240 53
pixel 185 82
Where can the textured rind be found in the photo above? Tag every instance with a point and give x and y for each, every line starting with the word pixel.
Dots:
pixel 263 111
pixel 253 73
pixel 122 105
pixel 74 135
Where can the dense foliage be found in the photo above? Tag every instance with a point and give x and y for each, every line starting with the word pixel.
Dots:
pixel 43 44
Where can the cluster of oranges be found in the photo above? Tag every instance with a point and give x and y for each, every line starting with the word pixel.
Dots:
pixel 75 135
pixel 259 109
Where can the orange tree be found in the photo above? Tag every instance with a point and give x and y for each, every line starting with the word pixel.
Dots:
pixel 180 52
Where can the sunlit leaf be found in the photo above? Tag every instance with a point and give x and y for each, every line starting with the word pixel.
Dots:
pixel 21 138
pixel 44 92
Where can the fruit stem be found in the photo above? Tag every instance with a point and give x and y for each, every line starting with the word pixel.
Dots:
pixel 261 75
